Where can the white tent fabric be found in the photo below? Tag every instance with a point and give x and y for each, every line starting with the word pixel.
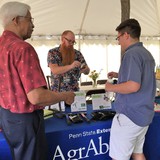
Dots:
pixel 96 21
pixel 90 17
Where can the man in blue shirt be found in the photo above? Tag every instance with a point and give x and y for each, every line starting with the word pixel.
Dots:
pixel 135 92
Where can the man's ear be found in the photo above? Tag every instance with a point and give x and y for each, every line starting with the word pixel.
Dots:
pixel 127 35
pixel 15 20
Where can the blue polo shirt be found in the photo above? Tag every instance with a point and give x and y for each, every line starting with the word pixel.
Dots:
pixel 137 65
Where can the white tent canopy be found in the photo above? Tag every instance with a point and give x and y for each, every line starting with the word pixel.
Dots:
pixel 94 21
pixel 90 17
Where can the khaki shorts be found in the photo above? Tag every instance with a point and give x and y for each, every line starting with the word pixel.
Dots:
pixel 125 138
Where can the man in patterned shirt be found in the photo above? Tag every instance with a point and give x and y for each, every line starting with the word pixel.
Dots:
pixel 66 64
pixel 23 89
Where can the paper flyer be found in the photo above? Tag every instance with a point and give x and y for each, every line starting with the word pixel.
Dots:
pixel 101 102
pixel 79 103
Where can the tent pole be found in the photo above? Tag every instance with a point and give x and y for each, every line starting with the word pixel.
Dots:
pixel 125 10
pixel 125 13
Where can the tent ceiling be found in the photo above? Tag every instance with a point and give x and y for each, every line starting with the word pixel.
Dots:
pixel 100 17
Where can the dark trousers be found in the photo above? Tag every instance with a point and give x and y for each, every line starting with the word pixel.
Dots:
pixel 25 134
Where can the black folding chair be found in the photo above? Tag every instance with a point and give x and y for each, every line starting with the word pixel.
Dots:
pixel 48 82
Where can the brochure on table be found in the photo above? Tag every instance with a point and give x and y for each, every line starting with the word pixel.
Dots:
pixel 101 102
pixel 79 103
pixel 49 111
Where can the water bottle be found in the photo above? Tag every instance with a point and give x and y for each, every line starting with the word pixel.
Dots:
pixel 110 95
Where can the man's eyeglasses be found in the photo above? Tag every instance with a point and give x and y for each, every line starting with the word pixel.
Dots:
pixel 119 36
pixel 29 18
pixel 70 41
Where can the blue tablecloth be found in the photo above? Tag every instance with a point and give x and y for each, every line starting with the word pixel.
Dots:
pixel 152 142
pixel 86 140
pixel 4 149
pixel 82 140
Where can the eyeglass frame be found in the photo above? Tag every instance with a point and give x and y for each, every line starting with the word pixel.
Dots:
pixel 117 38
pixel 30 18
pixel 70 41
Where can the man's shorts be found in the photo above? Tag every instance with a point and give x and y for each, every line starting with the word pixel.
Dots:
pixel 126 138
